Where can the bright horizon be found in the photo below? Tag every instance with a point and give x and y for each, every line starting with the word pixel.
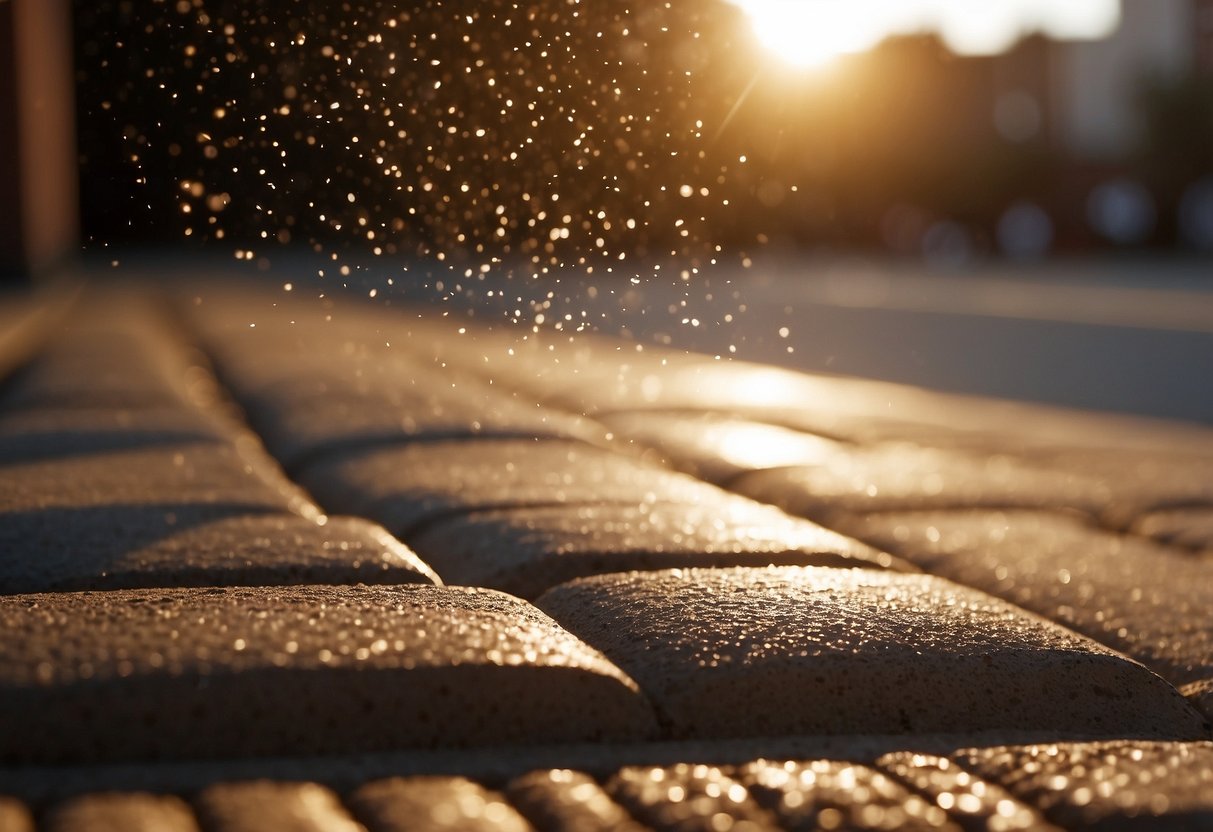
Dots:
pixel 813 32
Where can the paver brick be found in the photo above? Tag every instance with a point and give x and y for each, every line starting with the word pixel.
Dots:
pixel 526 551
pixel 261 806
pixel 855 481
pixel 560 799
pixel 121 813
pixel 970 802
pixel 1142 598
pixel 837 795
pixel 14 816
pixel 403 487
pixel 719 447
pixel 1105 786
pixel 154 674
pixel 689 798
pixel 788 650
pixel 434 804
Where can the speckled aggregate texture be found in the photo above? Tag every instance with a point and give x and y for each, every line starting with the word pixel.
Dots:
pixel 1138 596
pixel 402 487
pixel 121 813
pixel 434 804
pixel 262 806
pixel 526 551
pixel 328 389
pixel 777 651
pixel 149 483
pixel 157 674
pixel 854 481
pixel 689 798
pixel 839 795
pixel 1115 785
pixel 560 799
pixel 970 801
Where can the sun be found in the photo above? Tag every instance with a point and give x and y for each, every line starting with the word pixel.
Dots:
pixel 812 33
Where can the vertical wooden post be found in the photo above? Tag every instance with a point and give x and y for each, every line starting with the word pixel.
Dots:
pixel 39 212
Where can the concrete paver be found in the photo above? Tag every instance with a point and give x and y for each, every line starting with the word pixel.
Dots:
pixel 849 481
pixel 1115 785
pixel 405 486
pixel 1142 598
pixel 434 804
pixel 970 801
pixel 560 799
pixel 121 813
pixel 526 551
pixel 766 652
pixel 14 816
pixel 826 794
pixel 689 798
pixel 150 674
pixel 259 806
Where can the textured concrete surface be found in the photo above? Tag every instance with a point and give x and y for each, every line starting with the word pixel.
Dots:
pixel 215 447
pixel 1147 600
pixel 809 650
pixel 406 486
pixel 526 551
pixel 152 674
pixel 264 805
pixel 434 804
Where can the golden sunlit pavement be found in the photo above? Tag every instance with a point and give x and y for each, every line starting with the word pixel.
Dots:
pixel 703 415
pixel 976 614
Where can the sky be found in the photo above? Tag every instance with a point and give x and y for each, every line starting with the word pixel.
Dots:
pixel 812 32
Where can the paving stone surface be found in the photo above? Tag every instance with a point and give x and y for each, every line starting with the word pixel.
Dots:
pixel 560 799
pixel 809 650
pixel 1107 785
pixel 260 806
pixel 151 674
pixel 969 801
pixel 121 813
pixel 327 390
pixel 435 804
pixel 689 798
pixel 168 446
pixel 526 551
pixel 403 487
pixel 1147 600
pixel 851 481
pixel 826 794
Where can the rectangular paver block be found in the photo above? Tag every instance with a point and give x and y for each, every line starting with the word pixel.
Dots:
pixel 434 804
pixel 825 794
pixel 403 487
pixel 972 802
pixel 560 799
pixel 689 797
pixel 804 650
pixel 1143 598
pixel 121 813
pixel 1114 785
pixel 176 674
pixel 261 806
pixel 526 551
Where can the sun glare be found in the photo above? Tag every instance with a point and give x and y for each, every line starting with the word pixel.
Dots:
pixel 811 33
